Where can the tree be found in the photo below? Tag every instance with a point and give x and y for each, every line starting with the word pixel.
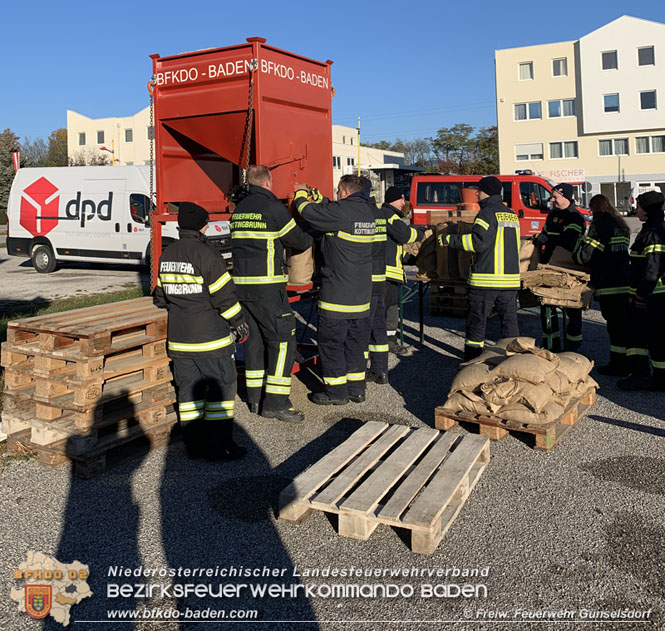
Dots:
pixel 34 153
pixel 8 144
pixel 57 148
pixel 453 147
pixel 487 150
pixel 89 157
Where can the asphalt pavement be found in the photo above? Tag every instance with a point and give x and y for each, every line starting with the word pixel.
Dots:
pixel 573 532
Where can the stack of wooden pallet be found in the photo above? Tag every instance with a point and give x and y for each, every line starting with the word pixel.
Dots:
pixel 81 384
pixel 448 298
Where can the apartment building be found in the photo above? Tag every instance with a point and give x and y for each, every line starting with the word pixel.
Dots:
pixel 590 112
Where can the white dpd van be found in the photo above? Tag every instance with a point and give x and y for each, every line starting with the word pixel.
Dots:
pixel 97 214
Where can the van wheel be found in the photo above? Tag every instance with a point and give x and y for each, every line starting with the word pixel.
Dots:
pixel 43 259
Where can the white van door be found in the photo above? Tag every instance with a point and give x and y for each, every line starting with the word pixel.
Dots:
pixel 135 226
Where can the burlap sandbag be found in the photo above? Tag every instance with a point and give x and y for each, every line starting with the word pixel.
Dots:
pixel 503 392
pixel 559 382
pixel 520 344
pixel 521 414
pixel 301 266
pixel 575 366
pixel 525 367
pixel 470 378
pixel 426 260
pixel 414 248
pixel 535 397
pixel 564 258
pixel 529 255
pixel 458 402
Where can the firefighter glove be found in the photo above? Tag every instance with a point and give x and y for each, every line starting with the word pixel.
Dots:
pixel 241 333
pixel 315 195
pixel 301 193
pixel 639 302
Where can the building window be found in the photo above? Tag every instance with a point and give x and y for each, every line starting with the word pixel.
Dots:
pixel 650 144
pixel 611 102
pixel 350 162
pixel 337 162
pixel 646 56
pixel 613 147
pixel 81 138
pixel 129 135
pixel 343 140
pixel 529 151
pixel 100 137
pixel 528 111
pixel 610 60
pixel 526 71
pixel 151 132
pixel 560 67
pixel 648 100
pixel 558 108
pixel 566 149
pixel 351 140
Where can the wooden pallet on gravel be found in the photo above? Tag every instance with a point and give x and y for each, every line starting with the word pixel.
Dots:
pixel 417 479
pixel 547 436
pixel 91 331
pixel 119 445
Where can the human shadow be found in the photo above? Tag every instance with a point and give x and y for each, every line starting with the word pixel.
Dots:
pixel 216 517
pixel 102 519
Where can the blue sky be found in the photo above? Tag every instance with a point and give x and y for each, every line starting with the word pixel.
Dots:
pixel 406 68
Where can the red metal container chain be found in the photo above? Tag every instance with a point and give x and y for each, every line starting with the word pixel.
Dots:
pixel 201 106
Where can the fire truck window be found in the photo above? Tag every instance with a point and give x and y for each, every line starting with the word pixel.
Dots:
pixel 507 193
pixel 543 197
pixel 529 195
pixel 139 208
pixel 438 193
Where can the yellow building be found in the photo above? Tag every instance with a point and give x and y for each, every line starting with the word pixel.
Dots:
pixel 590 112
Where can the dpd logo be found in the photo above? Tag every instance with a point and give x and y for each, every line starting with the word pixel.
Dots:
pixel 39 207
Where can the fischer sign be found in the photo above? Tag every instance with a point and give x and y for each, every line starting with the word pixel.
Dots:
pixel 237 68
pixel 40 206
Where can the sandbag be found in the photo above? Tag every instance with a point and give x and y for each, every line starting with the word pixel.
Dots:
pixel 414 248
pixel 470 377
pixel 535 397
pixel 451 263
pixel 458 402
pixel 503 392
pixel 564 258
pixel 301 266
pixel 426 260
pixel 521 414
pixel 520 344
pixel 529 255
pixel 559 382
pixel 575 366
pixel 525 367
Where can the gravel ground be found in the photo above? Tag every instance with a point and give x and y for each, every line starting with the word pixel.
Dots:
pixel 578 528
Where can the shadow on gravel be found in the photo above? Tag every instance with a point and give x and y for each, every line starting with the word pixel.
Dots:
pixel 646 429
pixel 214 515
pixel 640 473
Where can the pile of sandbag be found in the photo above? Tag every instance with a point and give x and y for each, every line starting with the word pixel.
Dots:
pixel 300 266
pixel 557 285
pixel 517 381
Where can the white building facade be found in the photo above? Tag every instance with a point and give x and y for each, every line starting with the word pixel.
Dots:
pixel 590 112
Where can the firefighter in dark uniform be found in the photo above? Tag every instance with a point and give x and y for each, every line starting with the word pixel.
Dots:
pixel 646 340
pixel 346 287
pixel 605 250
pixel 495 272
pixel 377 350
pixel 261 228
pixel 398 234
pixel 564 227
pixel 195 287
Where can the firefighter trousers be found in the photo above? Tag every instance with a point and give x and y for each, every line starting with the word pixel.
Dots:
pixel 614 308
pixel 206 391
pixel 551 333
pixel 342 345
pixel 269 351
pixel 481 302
pixel 378 338
pixel 646 341
pixel 392 306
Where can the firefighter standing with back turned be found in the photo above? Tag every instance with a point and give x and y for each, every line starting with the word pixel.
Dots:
pixel 646 340
pixel 346 287
pixel 495 272
pixel 195 287
pixel 398 234
pixel 564 227
pixel 261 227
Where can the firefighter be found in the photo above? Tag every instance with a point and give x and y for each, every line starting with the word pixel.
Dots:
pixel 495 271
pixel 377 349
pixel 195 287
pixel 646 340
pixel 346 287
pixel 398 234
pixel 605 250
pixel 564 227
pixel 261 228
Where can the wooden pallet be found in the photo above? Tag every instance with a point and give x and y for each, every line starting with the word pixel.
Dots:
pixel 448 299
pixel 416 479
pixel 546 436
pixel 126 442
pixel 118 403
pixel 91 331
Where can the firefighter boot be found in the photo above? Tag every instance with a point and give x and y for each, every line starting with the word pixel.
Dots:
pixel 220 444
pixel 287 415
